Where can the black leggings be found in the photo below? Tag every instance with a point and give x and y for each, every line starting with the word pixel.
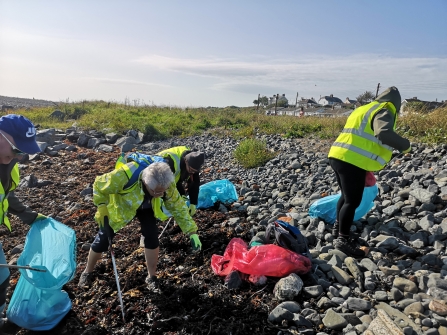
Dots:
pixel 351 180
pixel 149 230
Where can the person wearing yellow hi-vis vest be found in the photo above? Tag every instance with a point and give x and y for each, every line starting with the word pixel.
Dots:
pixel 17 138
pixel 185 164
pixel 120 202
pixel 365 144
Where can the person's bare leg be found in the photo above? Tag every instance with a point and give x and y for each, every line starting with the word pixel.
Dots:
pixel 93 258
pixel 151 256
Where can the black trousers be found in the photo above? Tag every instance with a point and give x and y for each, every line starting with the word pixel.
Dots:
pixel 351 180
pixel 149 229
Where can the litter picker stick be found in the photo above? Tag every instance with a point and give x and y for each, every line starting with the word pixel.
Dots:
pixel 112 254
pixel 22 267
pixel 165 227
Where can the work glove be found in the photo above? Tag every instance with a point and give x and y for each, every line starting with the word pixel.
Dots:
pixel 407 151
pixel 195 243
pixel 192 209
pixel 40 217
pixel 101 213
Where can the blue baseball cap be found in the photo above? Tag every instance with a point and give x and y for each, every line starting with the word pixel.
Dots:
pixel 22 131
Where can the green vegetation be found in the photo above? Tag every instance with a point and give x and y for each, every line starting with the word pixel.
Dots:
pixel 366 97
pixel 164 122
pixel 252 153
pixel 242 123
pixel 424 127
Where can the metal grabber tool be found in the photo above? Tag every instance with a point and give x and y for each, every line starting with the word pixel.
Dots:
pixel 112 254
pixel 26 267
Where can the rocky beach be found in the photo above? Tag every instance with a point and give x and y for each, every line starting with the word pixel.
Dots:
pixel 399 288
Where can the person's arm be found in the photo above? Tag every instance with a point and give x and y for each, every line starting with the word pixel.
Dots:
pixel 383 124
pixel 177 207
pixel 16 207
pixel 193 188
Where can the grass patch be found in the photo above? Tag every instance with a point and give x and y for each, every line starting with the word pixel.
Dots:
pixel 159 122
pixel 251 153
pixel 430 128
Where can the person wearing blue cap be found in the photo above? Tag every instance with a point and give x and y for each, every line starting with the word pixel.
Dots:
pixel 17 138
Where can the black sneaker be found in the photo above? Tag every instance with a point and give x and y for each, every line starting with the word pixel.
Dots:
pixel 350 247
pixel 153 284
pixel 352 235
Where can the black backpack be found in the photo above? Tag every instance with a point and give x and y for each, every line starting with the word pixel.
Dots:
pixel 288 237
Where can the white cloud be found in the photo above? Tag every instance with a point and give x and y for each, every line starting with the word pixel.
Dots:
pixel 316 75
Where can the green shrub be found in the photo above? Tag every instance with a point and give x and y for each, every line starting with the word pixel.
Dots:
pixel 203 125
pixel 251 153
pixel 300 130
pixel 244 132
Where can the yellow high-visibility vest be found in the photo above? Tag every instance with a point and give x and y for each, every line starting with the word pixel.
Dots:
pixel 175 153
pixel 357 144
pixel 15 176
pixel 133 167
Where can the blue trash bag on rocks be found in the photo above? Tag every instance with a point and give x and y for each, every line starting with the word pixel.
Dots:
pixel 218 190
pixel 38 302
pixel 326 208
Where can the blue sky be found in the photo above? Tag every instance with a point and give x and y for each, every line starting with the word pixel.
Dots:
pixel 220 53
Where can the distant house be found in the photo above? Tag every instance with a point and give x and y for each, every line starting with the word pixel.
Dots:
pixel 350 102
pixel 428 105
pixel 272 100
pixel 271 111
pixel 329 100
pixel 319 111
pixel 306 103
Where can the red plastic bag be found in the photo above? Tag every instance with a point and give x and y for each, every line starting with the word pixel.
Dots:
pixel 370 179
pixel 268 260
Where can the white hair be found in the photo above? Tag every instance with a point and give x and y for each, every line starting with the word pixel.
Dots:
pixel 157 174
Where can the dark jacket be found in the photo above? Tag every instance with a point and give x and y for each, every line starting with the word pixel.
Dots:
pixel 192 180
pixel 383 121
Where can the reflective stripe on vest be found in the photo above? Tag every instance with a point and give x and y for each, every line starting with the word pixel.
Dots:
pixel 363 139
pixel 360 151
pixel 361 131
pixel 15 176
pixel 130 168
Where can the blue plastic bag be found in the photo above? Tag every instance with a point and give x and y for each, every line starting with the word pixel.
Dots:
pixel 326 208
pixel 218 190
pixel 38 303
